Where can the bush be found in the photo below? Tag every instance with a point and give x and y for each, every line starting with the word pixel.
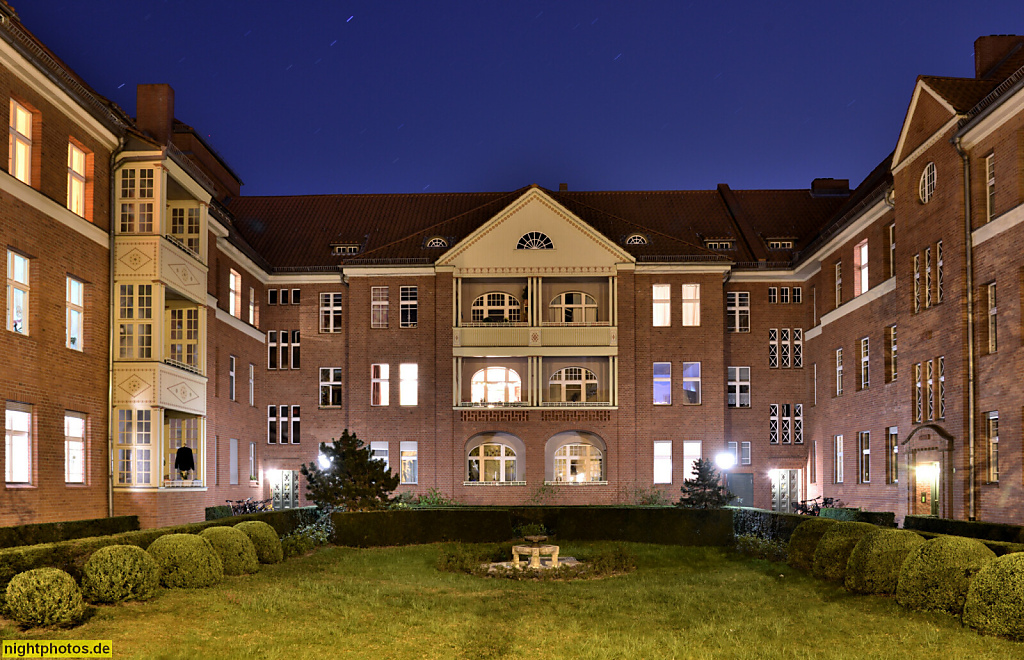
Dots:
pixel 187 561
pixel 874 566
pixel 970 528
pixel 44 597
pixel 54 532
pixel 308 537
pixel 759 548
pixel 236 551
pixel 936 575
pixel 995 599
pixel 120 572
pixel 834 549
pixel 804 540
pixel 773 525
pixel 848 514
pixel 218 512
pixel 264 539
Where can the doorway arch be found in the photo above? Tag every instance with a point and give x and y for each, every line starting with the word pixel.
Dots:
pixel 928 452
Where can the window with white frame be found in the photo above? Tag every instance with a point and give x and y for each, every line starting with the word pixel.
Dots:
pixel 926 184
pixel 378 307
pixel 662 295
pixel 892 448
pixel 798 348
pixel 253 472
pixel 691 304
pixel 76 180
pixel 839 283
pixel 992 437
pixel 773 295
pixel 940 369
pixel 691 383
pixel 185 229
pixel 135 321
pixel 691 454
pixel 136 214
pixel 379 452
pixel 284 349
pixel 235 293
pixel 733 448
pixel 744 453
pixel 231 377
pixel 183 336
pixel 573 307
pixel 892 249
pixel 718 245
pixel 579 463
pixel 927 277
pixel 773 423
pixel 864 457
pixel 410 462
pixel 860 267
pixel 183 431
pixel 271 296
pixel 993 335
pixel 739 387
pixel 865 364
pixel 134 447
pixel 918 394
pixel 19 161
pixel 812 463
pixel 491 463
pixel 798 423
pixel 252 384
pixel 252 307
pixel 784 348
pixel 839 372
pixel 737 311
pixel 572 385
pixel 917 283
pixel 837 455
pixel 496 385
pixel 929 390
pixel 74 314
pixel 938 272
pixel 74 448
pixel 892 357
pixel 273 350
pixel 534 240
pixel 662 383
pixel 233 461
pixel 663 461
pixel 330 312
pixel 496 306
pixel 786 423
pixel 330 387
pixel 408 384
pixel 784 295
pixel 798 295
pixel 380 387
pixel 283 425
pixel 408 306
pixel 990 187
pixel 779 244
pixel 296 296
pixel 17 292
pixel 773 348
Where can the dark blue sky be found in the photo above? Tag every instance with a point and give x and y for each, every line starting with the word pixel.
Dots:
pixel 318 96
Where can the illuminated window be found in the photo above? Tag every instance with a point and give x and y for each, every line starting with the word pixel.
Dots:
pixel 662 383
pixel 330 387
pixel 691 383
pixel 410 462
pixel 235 293
pixel 408 384
pixel 17 293
pixel 662 295
pixel 579 463
pixel 992 436
pixel 491 463
pixel 663 462
pixel 75 312
pixel 860 268
pixel 691 304
pixel 739 387
pixel 76 180
pixel 496 385
pixel 134 447
pixel 18 446
pixel 19 162
pixel 380 390
pixel 74 448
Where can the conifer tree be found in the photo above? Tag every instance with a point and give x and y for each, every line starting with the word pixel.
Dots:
pixel 352 479
pixel 705 490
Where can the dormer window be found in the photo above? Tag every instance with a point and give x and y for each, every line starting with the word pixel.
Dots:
pixel 436 242
pixel 535 240
pixel 636 239
pixel 718 244
pixel 780 244
pixel 344 249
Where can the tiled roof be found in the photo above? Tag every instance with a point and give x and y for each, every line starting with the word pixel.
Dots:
pixel 961 93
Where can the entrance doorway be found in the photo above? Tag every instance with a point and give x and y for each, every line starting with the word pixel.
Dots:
pixel 926 482
pixel 742 487
pixel 285 489
pixel 785 489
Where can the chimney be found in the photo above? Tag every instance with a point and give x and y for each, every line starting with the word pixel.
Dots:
pixel 154 111
pixel 562 187
pixel 991 51
pixel 830 187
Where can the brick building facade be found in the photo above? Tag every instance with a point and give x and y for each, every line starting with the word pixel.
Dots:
pixel 536 345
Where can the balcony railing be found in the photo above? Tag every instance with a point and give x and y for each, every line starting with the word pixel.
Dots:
pixel 183 365
pixel 176 242
pixel 542 404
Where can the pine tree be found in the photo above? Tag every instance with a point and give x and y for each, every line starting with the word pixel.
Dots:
pixel 351 479
pixel 705 490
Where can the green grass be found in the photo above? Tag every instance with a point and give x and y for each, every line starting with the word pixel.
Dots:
pixel 392 603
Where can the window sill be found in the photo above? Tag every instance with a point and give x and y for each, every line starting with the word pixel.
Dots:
pixel 493 483
pixel 183 483
pixel 75 484
pixel 575 483
pixel 338 407
pixel 20 486
pixel 254 484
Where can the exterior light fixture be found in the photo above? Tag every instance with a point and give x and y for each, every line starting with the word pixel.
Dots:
pixel 725 460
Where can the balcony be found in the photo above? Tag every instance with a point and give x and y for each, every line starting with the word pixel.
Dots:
pixel 154 257
pixel 147 384
pixel 549 334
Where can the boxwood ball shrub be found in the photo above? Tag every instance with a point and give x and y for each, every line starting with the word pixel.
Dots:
pixel 874 566
pixel 936 575
pixel 44 597
pixel 187 561
pixel 834 549
pixel 120 572
pixel 237 553
pixel 264 539
pixel 804 541
pixel 995 599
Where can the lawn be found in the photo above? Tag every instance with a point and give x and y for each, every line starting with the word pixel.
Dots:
pixel 392 603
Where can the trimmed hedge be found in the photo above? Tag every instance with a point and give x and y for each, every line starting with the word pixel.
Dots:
pixel 764 524
pixel 852 514
pixel 874 565
pixel 186 561
pixel 120 572
pixel 834 548
pixel 936 575
pixel 237 553
pixel 71 555
pixel 264 539
pixel 804 541
pixel 19 535
pixel 995 599
pixel 999 547
pixel 44 597
pixel 217 512
pixel 969 528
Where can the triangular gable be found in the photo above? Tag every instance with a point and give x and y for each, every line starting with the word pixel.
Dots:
pixel 576 246
pixel 927 114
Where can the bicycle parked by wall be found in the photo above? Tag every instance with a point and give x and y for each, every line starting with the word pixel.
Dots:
pixel 813 507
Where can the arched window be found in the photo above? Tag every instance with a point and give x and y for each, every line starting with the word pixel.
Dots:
pixel 579 462
pixel 926 186
pixel 491 462
pixel 572 384
pixel 496 385
pixel 534 240
pixel 496 305
pixel 436 242
pixel 636 239
pixel 573 307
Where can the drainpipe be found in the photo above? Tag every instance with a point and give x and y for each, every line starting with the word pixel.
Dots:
pixel 969 265
pixel 110 354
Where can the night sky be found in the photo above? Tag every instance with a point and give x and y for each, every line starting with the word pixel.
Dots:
pixel 318 96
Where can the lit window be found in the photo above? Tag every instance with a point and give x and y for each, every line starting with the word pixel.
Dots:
pixel 330 312
pixel 496 385
pixel 18 448
pixel 892 357
pixel 17 293
pixel 19 162
pixel 691 382
pixel 379 452
pixel 572 385
pixel 926 185
pixel 409 302
pixel 378 307
pixel 718 245
pixel 534 240
pixel 691 304
pixel 380 390
pixel 992 435
pixel 865 372
pixel 860 268
pixel 662 383
pixel 134 447
pixel 837 468
pixel 780 245
pixel 892 448
pixel 691 454
pixel 579 463
pixel 839 372
pixel 330 387
pixel 496 307
pixel 737 311
pixel 739 387
pixel 408 385
pixel 662 294
pixel 74 448
pixel 993 338
pixel 75 311
pixel 410 462
pixel 573 307
pixel 491 463
pixel 990 187
pixel 252 306
pixel 135 321
pixel 864 456
pixel 76 180
pixel 235 293
pixel 663 462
